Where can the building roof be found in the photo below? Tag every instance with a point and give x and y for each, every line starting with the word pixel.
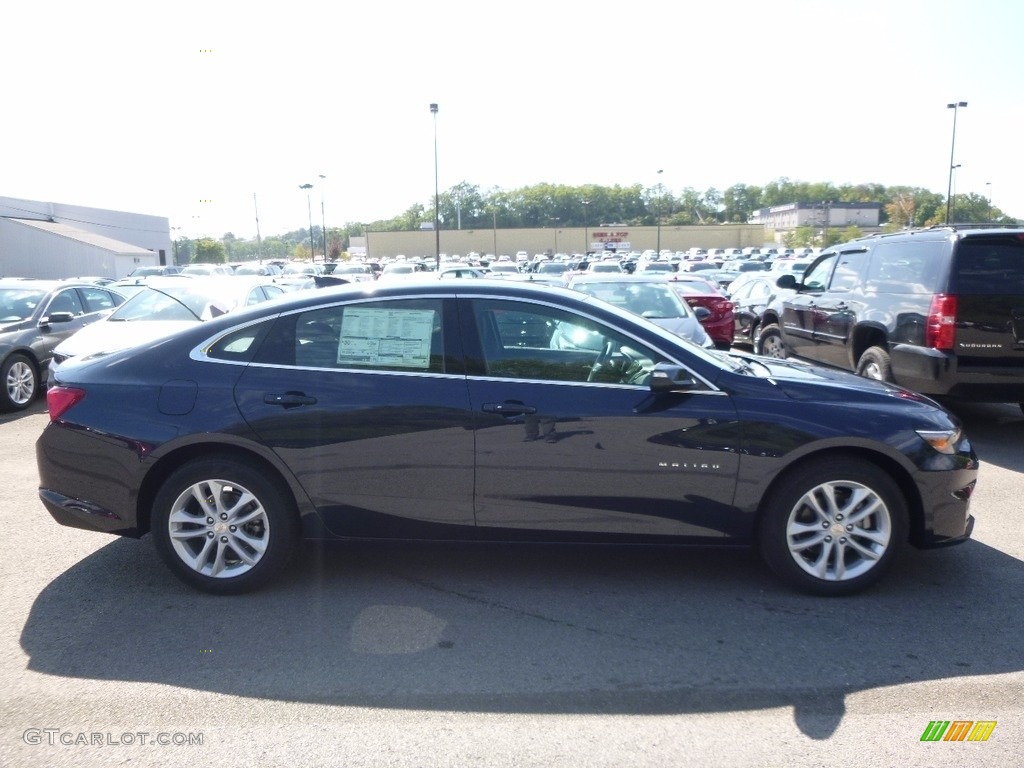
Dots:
pixel 82 236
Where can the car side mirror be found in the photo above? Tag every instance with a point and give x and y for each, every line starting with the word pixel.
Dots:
pixel 57 317
pixel 786 281
pixel 702 313
pixel 671 378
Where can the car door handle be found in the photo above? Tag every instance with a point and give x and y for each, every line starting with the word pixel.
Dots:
pixel 508 409
pixel 289 399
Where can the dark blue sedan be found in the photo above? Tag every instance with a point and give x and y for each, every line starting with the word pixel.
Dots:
pixel 449 410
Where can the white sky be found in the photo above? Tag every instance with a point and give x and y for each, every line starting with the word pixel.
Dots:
pixel 187 109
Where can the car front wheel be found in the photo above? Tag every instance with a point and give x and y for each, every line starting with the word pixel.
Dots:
pixel 21 383
pixel 833 527
pixel 769 342
pixel 223 526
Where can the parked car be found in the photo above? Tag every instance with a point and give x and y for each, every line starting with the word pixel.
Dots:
pixel 442 410
pixel 939 311
pixel 402 270
pixel 259 270
pixel 165 306
pixel 36 316
pixel 648 296
pixel 149 271
pixel 503 269
pixel 461 271
pixel 753 301
pixel 203 270
pixel 718 321
pixel 650 267
pixel 356 272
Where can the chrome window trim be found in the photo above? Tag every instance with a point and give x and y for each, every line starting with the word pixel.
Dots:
pixel 668 334
pixel 199 353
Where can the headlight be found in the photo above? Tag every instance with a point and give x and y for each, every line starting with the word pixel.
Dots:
pixel 943 441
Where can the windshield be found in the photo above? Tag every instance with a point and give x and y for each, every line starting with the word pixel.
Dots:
pixel 18 303
pixel 651 300
pixel 189 303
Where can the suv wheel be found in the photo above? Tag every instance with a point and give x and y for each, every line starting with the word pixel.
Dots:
pixel 875 364
pixel 769 342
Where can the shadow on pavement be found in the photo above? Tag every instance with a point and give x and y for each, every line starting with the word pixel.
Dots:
pixel 533 629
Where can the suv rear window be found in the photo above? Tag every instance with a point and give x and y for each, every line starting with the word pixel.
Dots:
pixel 990 266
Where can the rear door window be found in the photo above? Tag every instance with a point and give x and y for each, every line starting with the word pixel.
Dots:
pixel 908 267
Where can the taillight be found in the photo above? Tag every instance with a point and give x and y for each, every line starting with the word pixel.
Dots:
pixel 940 331
pixel 60 399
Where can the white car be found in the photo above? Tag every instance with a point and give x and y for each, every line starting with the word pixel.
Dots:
pixel 163 307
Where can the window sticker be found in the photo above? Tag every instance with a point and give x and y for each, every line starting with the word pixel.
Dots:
pixel 387 337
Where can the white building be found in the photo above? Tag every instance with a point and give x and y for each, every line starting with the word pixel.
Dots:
pixel 55 240
pixel 821 215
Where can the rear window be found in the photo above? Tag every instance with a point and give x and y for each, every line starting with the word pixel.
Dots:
pixel 990 265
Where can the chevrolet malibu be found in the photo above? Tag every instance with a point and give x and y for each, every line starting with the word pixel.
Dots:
pixel 447 410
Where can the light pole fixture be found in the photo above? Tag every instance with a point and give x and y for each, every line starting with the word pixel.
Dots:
pixel 952 148
pixel 989 185
pixel 437 218
pixel 309 208
pixel 586 234
pixel 554 224
pixel 658 210
pixel 323 216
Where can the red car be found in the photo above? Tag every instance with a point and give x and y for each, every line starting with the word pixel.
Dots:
pixel 698 292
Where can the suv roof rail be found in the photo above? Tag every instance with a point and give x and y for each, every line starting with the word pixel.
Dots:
pixel 977 225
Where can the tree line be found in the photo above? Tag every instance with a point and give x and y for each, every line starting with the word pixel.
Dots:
pixel 467 206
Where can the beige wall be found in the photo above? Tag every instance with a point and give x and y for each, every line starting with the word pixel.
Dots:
pixel 563 239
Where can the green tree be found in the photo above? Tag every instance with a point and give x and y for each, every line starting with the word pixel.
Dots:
pixel 210 251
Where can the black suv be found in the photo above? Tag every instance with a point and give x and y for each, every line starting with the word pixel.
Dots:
pixel 939 311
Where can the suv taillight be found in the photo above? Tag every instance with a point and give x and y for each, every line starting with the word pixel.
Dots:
pixel 940 331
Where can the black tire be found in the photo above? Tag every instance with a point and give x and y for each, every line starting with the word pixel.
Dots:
pixel 769 342
pixel 875 364
pixel 836 548
pixel 209 552
pixel 20 383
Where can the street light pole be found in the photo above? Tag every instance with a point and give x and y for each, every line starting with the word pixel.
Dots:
pixel 658 209
pixel 586 234
pixel 437 218
pixel 952 148
pixel 494 229
pixel 323 217
pixel 989 185
pixel 309 208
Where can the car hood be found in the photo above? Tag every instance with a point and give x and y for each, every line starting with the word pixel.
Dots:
pixel 15 325
pixel 803 381
pixel 111 336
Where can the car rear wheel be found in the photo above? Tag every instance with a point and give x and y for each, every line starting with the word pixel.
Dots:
pixel 222 526
pixel 875 364
pixel 833 527
pixel 21 383
pixel 769 342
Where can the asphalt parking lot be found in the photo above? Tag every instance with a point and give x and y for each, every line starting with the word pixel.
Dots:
pixel 424 655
